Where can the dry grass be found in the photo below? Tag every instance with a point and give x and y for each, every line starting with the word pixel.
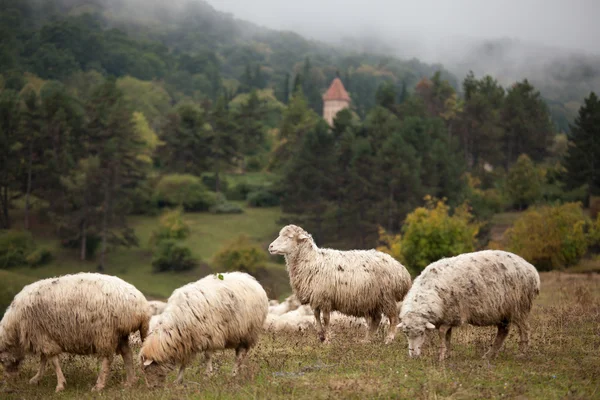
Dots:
pixel 563 362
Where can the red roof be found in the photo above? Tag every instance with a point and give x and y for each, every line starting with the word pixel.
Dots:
pixel 336 91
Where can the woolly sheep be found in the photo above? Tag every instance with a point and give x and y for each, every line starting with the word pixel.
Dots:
pixel 302 319
pixel 85 313
pixel 156 307
pixel 484 288
pixel 290 304
pixel 207 315
pixel 360 283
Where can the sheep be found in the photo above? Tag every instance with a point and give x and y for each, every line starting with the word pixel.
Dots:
pixel 290 304
pixel 484 288
pixel 157 307
pixel 217 312
pixel 360 283
pixel 84 313
pixel 302 319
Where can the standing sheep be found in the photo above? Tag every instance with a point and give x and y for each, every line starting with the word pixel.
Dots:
pixel 207 315
pixel 360 283
pixel 484 288
pixel 85 313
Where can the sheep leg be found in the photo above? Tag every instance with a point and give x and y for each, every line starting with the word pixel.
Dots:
pixel 394 321
pixel 240 355
pixel 179 378
pixel 60 378
pixel 445 336
pixel 104 371
pixel 127 355
pixel 326 319
pixel 374 321
pixel 36 378
pixel 208 357
pixel 320 332
pixel 500 337
pixel 524 333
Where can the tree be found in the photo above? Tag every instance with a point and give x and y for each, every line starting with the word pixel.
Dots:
pixel 31 135
pixel 386 95
pixel 524 182
pixel 583 158
pixel 10 148
pixel 114 141
pixel 224 143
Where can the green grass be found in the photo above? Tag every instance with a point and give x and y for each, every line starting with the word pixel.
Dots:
pixel 208 233
pixel 563 362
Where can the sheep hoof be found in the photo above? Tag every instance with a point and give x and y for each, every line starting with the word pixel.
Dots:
pixel 34 381
pixel 388 340
pixel 60 388
pixel 97 388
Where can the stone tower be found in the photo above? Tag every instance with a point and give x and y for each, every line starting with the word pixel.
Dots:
pixel 334 100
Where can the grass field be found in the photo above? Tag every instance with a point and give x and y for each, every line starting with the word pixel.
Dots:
pixel 563 362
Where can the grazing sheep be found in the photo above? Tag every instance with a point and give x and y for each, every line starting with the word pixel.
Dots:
pixel 207 315
pixel 290 304
pixel 484 288
pixel 360 283
pixel 157 307
pixel 84 313
pixel 302 319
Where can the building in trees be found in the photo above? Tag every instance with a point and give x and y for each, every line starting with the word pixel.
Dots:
pixel 334 100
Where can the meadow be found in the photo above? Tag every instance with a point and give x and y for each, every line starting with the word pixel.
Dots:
pixel 563 362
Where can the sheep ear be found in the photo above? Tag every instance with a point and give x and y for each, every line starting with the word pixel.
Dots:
pixel 303 236
pixel 148 362
pixel 430 325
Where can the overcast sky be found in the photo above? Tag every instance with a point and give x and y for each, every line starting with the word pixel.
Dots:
pixel 431 25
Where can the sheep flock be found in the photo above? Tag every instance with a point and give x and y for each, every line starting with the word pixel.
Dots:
pixel 361 291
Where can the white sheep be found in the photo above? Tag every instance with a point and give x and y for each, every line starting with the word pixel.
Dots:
pixel 290 304
pixel 360 283
pixel 157 307
pixel 84 313
pixel 484 288
pixel 207 315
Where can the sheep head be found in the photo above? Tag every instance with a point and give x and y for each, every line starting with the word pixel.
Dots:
pixel 414 328
pixel 290 238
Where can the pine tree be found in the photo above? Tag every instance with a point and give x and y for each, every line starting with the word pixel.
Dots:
pixel 224 143
pixel 31 135
pixel 583 158
pixel 10 160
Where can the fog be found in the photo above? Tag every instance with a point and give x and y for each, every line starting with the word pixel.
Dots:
pixel 432 30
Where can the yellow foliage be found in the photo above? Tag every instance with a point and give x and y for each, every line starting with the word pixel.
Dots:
pixel 390 244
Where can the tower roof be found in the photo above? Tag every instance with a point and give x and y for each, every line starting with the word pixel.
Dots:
pixel 336 91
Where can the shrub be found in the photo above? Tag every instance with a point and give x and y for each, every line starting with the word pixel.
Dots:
pixel 524 182
pixel 226 208
pixel 171 226
pixel 171 255
pixel 210 181
pixel 431 233
pixel 550 237
pixel 241 190
pixel 184 190
pixel 241 254
pixel 263 198
pixel 39 257
pixel 14 248
pixel 92 244
pixel 142 199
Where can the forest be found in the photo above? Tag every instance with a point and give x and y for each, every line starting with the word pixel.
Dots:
pixel 104 118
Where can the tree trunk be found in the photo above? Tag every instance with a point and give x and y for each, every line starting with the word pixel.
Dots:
pixel 105 212
pixel 29 168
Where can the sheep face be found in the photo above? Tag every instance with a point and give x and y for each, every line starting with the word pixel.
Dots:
pixel 415 333
pixel 11 361
pixel 289 239
pixel 155 373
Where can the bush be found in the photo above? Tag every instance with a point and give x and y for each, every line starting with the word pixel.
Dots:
pixel 171 226
pixel 171 255
pixel 14 248
pixel 210 181
pixel 142 200
pixel 550 237
pixel 226 208
pixel 92 243
pixel 431 233
pixel 263 198
pixel 185 191
pixel 240 255
pixel 241 190
pixel 41 256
